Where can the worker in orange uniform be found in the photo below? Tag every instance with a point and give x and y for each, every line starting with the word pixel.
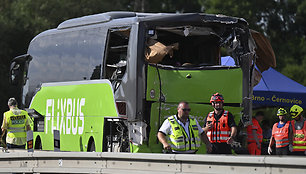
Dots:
pixel 220 126
pixel 281 135
pixel 299 130
pixel 254 134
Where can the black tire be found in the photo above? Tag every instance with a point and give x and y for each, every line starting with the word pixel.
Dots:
pixel 91 146
pixel 38 145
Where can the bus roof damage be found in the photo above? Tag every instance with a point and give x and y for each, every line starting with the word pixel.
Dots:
pixel 225 27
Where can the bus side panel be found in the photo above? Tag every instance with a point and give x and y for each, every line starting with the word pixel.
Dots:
pixel 194 85
pixel 198 111
pixel 77 110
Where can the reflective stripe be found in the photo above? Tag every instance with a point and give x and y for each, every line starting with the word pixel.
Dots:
pixel 281 144
pixel 299 147
pixel 256 134
pixel 221 132
pixel 195 145
pixel 299 142
pixel 281 140
pixel 15 131
pixel 220 135
pixel 178 147
pixel 220 138
pixel 15 128
pixel 195 139
pixel 182 147
pixel 176 141
pixel 252 138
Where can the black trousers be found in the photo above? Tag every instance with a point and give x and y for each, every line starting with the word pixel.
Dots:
pixel 298 153
pixel 221 148
pixel 13 146
pixel 282 150
pixel 264 149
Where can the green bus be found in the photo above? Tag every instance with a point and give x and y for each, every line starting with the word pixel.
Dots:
pixel 107 81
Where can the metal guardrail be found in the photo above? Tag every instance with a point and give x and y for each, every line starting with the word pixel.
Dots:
pixel 97 162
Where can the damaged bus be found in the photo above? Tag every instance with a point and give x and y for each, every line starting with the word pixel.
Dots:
pixel 106 82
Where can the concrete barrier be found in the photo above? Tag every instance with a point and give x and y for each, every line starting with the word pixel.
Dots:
pixel 97 162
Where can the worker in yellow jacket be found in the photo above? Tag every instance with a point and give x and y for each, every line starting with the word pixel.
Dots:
pixel 15 123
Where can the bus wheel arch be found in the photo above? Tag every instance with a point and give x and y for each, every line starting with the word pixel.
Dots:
pixel 38 144
pixel 91 145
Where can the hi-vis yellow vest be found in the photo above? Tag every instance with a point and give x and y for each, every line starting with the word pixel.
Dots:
pixel 16 124
pixel 180 141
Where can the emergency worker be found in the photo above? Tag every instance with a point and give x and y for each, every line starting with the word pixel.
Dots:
pixel 299 130
pixel 281 135
pixel 183 132
pixel 266 134
pixel 254 134
pixel 16 122
pixel 220 126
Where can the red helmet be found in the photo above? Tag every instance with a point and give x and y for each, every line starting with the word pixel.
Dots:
pixel 216 98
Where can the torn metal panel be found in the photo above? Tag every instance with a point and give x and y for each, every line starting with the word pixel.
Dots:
pixel 264 51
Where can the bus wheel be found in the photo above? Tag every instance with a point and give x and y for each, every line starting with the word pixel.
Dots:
pixel 38 145
pixel 91 146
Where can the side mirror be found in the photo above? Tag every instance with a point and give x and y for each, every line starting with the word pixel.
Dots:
pixel 19 69
pixel 15 72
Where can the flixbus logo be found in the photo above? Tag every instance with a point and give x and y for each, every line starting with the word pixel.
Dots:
pixel 65 115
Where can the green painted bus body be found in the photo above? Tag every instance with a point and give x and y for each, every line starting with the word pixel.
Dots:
pixel 77 111
pixel 83 107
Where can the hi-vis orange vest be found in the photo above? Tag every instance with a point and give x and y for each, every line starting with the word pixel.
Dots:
pixel 220 131
pixel 299 137
pixel 281 135
pixel 250 137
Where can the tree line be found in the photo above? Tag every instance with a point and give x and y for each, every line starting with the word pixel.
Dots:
pixel 282 21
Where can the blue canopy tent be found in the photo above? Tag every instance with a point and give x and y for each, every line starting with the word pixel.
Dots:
pixel 275 89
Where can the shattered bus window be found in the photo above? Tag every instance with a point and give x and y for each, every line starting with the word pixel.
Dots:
pixel 184 46
pixel 116 55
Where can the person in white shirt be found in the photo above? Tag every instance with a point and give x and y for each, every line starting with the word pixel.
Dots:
pixel 183 131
